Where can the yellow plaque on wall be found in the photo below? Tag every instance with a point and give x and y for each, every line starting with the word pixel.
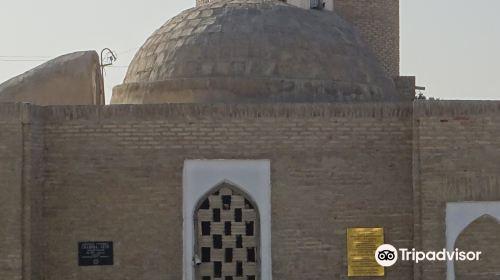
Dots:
pixel 361 246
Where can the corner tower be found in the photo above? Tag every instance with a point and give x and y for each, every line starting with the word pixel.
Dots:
pixel 378 22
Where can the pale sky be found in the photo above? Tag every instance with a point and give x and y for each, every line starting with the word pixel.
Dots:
pixel 452 46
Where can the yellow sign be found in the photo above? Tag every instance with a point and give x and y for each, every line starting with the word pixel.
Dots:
pixel 361 246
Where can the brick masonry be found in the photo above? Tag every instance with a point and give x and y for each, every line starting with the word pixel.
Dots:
pixel 329 65
pixel 11 218
pixel 456 152
pixel 21 148
pixel 79 173
pixel 378 22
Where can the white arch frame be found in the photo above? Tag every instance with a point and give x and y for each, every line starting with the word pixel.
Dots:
pixel 459 215
pixel 253 177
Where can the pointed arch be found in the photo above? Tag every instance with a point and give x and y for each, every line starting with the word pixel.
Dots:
pixel 227 240
pixel 250 177
pixel 478 219
pixel 226 184
pixel 459 215
pixel 480 236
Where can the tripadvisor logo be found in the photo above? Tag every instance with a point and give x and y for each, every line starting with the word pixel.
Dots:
pixel 387 255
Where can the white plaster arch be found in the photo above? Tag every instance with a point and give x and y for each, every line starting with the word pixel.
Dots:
pixel 459 215
pixel 253 177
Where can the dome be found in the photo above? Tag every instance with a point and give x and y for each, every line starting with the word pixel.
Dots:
pixel 254 51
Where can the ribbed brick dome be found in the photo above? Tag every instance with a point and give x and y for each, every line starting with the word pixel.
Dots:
pixel 254 51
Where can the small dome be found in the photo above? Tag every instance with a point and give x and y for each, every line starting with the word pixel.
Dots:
pixel 254 51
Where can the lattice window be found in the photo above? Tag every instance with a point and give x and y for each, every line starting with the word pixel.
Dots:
pixel 227 236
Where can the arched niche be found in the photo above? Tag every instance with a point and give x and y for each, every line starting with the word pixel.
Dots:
pixel 482 235
pixel 227 244
pixel 459 215
pixel 249 177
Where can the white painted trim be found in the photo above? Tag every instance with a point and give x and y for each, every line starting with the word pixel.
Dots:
pixel 251 176
pixel 459 215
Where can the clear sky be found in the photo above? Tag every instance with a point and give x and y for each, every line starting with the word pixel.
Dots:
pixel 452 46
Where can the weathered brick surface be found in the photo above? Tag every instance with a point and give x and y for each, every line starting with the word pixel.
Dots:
pixel 115 173
pixel 72 174
pixel 21 165
pixel 207 55
pixel 378 22
pixel 456 152
pixel 33 168
pixel 10 192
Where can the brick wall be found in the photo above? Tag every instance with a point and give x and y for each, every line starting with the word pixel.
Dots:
pixel 115 173
pixel 11 216
pixel 378 22
pixel 456 152
pixel 72 174
pixel 33 172
pixel 21 171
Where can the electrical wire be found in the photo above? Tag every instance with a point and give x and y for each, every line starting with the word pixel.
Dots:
pixel 23 60
pixel 40 58
pixel 23 56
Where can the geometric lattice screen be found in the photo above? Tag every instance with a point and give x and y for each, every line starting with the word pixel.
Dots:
pixel 227 236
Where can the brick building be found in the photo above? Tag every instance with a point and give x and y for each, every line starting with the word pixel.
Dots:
pixel 246 151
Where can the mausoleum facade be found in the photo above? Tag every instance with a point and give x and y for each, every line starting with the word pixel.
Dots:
pixel 247 138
